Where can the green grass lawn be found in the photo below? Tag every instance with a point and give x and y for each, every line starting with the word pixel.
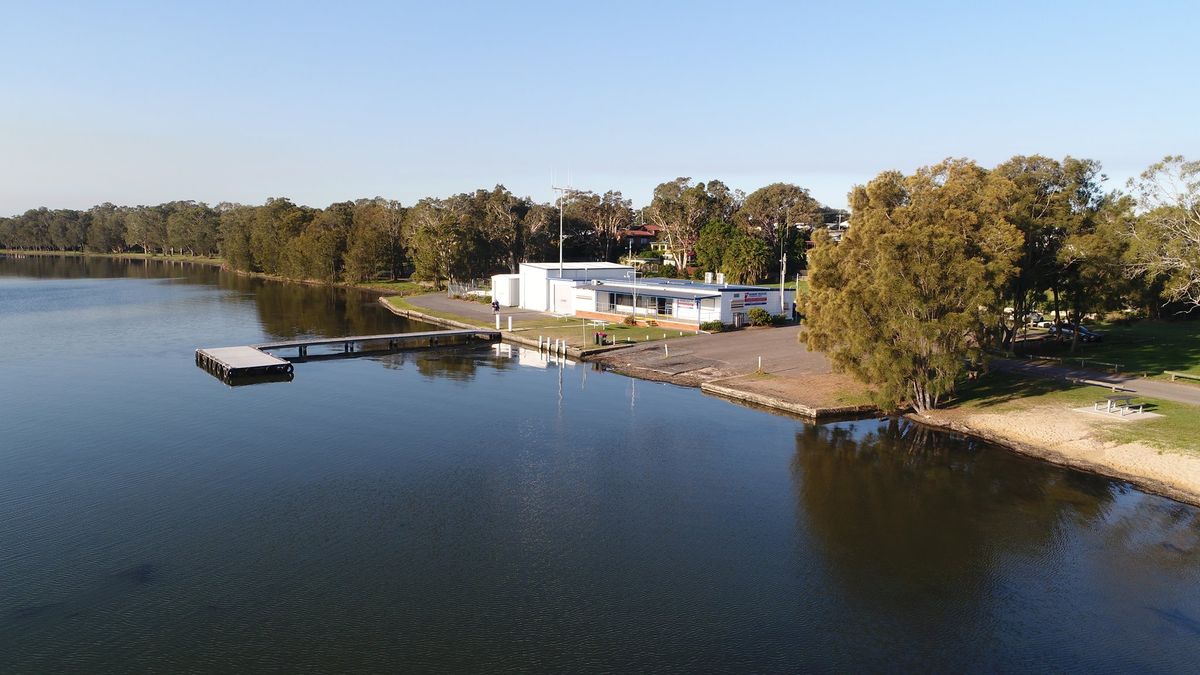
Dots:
pixel 579 333
pixel 398 288
pixel 1147 346
pixel 1177 431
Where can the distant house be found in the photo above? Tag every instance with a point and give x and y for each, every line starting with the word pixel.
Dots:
pixel 640 238
pixel 668 256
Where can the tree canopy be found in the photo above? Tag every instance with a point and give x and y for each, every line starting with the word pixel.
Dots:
pixel 909 295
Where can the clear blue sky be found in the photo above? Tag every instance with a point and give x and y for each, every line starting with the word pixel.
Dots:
pixel 147 102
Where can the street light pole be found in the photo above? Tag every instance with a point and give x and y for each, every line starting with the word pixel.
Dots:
pixel 561 205
pixel 783 269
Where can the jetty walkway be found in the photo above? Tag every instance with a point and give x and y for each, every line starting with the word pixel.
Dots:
pixel 231 362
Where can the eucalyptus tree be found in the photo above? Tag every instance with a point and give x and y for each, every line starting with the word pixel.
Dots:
pixel 236 221
pixel 276 222
pixel 679 209
pixel 503 218
pixel 107 231
pixel 1165 238
pixel 193 227
pixel 317 253
pixel 445 241
pixel 614 213
pixel 146 228
pixel 376 240
pixel 769 211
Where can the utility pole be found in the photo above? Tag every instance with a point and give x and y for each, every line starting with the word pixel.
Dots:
pixel 783 269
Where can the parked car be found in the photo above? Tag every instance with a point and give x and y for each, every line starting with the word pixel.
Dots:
pixel 1085 334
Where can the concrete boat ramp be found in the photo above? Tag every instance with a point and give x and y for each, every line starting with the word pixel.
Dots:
pixel 234 363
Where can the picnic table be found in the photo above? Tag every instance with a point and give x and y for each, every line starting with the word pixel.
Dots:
pixel 1118 403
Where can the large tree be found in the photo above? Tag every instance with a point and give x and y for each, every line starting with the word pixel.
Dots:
pixel 146 227
pixel 376 240
pixel 913 290
pixel 503 218
pixel 679 209
pixel 275 224
pixel 769 210
pixel 1166 236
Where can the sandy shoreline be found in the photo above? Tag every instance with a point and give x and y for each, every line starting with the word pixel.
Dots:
pixel 1061 436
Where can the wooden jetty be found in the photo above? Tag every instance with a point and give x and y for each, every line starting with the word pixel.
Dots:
pixel 229 362
pixel 393 341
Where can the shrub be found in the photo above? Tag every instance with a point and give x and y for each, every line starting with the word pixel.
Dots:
pixel 759 317
pixel 712 326
pixel 629 320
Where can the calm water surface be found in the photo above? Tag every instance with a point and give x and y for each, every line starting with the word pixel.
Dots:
pixel 483 510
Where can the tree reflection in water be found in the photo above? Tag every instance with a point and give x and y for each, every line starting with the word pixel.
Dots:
pixel 905 512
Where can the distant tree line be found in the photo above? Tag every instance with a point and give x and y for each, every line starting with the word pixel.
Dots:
pixel 466 236
pixel 942 265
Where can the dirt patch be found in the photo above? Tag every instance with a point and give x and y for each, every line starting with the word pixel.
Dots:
pixel 814 390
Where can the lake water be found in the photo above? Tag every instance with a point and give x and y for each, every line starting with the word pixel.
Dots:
pixel 487 510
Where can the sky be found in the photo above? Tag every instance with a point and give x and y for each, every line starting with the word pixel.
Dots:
pixel 146 102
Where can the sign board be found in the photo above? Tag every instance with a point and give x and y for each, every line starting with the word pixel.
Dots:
pixel 685 304
pixel 756 299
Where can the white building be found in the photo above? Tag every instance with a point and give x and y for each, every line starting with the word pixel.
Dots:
pixel 678 303
pixel 611 292
pixel 545 287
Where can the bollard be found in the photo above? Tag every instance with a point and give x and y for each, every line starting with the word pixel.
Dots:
pixel 497 322
pixel 539 343
pixel 760 363
pixel 666 350
pixel 510 324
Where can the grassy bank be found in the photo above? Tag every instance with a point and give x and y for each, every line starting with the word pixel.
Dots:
pixel 1145 347
pixel 1178 430
pixel 578 333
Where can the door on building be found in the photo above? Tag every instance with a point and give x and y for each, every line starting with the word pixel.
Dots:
pixel 563 295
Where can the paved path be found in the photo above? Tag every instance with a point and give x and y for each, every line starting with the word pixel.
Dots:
pixel 1167 391
pixel 475 311
pixel 733 353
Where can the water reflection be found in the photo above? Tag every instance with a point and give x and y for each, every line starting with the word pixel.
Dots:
pixel 285 310
pixel 902 509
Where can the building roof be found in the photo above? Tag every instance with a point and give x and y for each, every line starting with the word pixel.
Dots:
pixel 700 285
pixel 673 288
pixel 649 291
pixel 577 265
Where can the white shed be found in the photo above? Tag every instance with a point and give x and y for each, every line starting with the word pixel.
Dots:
pixel 506 289
pixel 536 281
